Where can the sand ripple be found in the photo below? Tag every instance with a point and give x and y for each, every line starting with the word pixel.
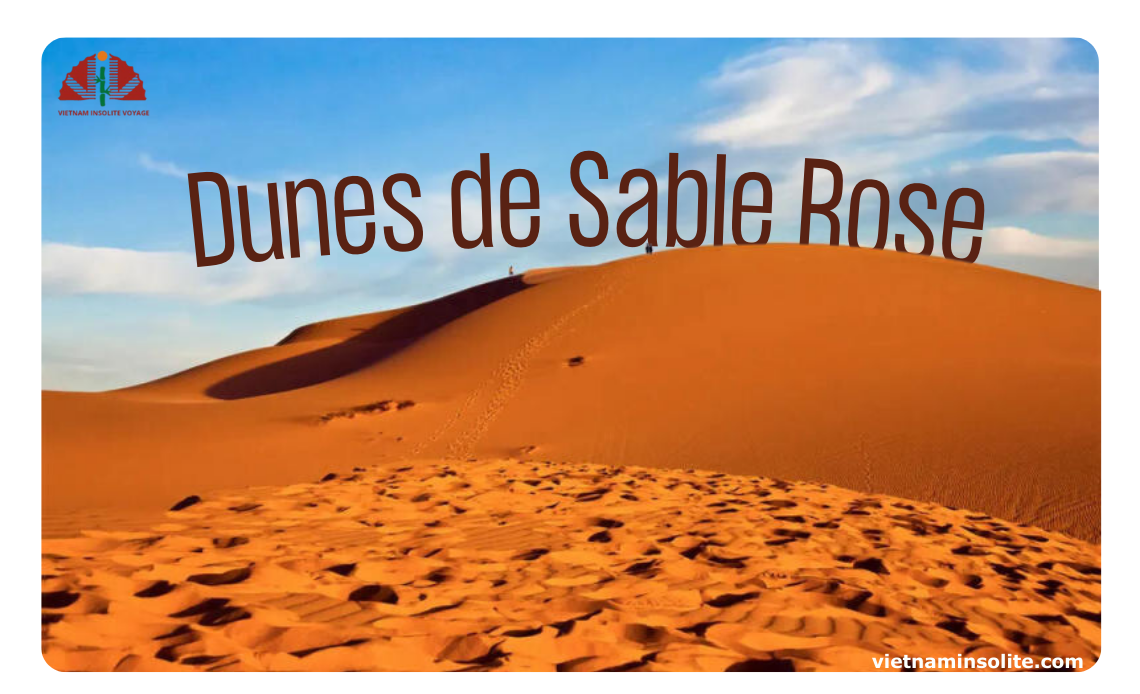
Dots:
pixel 515 565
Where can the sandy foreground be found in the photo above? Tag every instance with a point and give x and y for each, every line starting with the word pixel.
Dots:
pixel 513 565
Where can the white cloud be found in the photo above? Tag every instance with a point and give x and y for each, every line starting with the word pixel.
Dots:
pixel 169 168
pixel 855 103
pixel 165 168
pixel 434 212
pixel 1090 136
pixel 71 270
pixel 1015 241
pixel 103 359
pixel 832 91
pixel 1030 183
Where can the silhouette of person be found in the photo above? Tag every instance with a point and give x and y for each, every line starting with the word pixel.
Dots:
pixel 511 271
pixel 648 249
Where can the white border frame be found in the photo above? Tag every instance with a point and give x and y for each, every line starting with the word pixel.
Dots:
pixel 1104 25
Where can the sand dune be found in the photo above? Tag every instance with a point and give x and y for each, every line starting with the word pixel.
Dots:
pixel 503 564
pixel 880 372
pixel 534 474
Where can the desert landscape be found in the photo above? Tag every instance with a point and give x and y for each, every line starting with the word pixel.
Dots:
pixel 778 457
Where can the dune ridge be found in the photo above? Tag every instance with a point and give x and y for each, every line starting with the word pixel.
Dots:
pixel 740 458
pixel 887 373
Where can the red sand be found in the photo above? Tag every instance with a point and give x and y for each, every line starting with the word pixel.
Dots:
pixel 882 372
pixel 489 511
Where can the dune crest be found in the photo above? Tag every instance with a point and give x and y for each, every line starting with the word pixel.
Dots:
pixel 506 478
pixel 882 372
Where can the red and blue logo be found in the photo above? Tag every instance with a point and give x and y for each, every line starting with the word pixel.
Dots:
pixel 102 76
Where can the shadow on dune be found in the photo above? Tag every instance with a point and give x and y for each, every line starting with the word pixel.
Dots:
pixel 363 350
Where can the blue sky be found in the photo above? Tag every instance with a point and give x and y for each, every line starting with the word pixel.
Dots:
pixel 123 301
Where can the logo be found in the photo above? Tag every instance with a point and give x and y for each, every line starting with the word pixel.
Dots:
pixel 102 76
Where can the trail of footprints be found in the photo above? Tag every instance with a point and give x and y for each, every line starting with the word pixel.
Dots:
pixel 509 375
pixel 501 385
pixel 512 565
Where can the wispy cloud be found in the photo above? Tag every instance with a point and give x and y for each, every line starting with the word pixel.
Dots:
pixel 1015 241
pixel 835 91
pixel 72 270
pixel 1031 183
pixel 169 168
pixel 978 116
pixel 165 168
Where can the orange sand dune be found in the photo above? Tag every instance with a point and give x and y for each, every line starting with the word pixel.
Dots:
pixel 881 372
pixel 512 565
